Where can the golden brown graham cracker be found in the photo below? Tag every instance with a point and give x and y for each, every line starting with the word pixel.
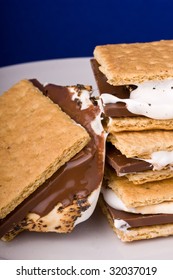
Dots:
pixel 36 138
pixel 137 124
pixel 150 176
pixel 142 144
pixel 137 62
pixel 140 195
pixel 147 232
pixel 140 233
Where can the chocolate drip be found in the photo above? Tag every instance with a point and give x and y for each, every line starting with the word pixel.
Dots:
pixel 77 178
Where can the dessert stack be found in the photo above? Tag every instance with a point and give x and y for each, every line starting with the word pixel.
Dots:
pixel 135 82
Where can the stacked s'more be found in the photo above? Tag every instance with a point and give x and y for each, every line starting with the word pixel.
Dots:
pixel 135 82
pixel 51 146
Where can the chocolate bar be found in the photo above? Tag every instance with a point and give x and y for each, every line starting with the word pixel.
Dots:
pixel 113 109
pixel 122 164
pixel 138 220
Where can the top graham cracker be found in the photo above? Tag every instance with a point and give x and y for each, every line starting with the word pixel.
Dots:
pixel 36 138
pixel 125 64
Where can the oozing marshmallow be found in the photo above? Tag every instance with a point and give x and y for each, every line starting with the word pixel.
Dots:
pixel 152 99
pixel 52 221
pixel 82 96
pixel 115 202
pixel 161 159
pixel 121 225
pixel 92 199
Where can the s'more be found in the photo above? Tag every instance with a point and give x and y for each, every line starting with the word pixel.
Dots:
pixel 52 142
pixel 135 83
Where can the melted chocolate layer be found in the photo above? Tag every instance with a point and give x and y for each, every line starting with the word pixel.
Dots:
pixel 139 220
pixel 122 164
pixel 77 178
pixel 112 110
pixel 119 162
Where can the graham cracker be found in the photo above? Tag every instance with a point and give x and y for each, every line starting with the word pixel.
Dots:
pixel 137 124
pixel 36 138
pixel 137 62
pixel 150 176
pixel 142 144
pixel 140 195
pixel 140 233
pixel 147 232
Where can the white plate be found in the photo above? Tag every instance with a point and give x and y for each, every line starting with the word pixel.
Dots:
pixel 93 239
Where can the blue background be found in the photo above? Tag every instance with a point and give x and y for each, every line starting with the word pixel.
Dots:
pixel 39 29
